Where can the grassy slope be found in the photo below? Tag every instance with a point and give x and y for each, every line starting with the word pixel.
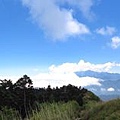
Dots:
pixel 92 110
pixel 102 111
pixel 56 111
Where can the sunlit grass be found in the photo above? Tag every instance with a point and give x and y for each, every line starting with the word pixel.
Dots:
pixel 56 111
pixel 68 111
pixel 103 111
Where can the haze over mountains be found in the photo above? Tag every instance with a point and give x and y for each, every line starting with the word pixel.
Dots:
pixel 101 75
pixel 110 83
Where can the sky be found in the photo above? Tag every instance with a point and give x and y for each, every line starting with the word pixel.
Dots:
pixel 50 40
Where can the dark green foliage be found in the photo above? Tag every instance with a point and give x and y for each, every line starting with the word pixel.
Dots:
pixel 19 96
pixel 9 114
pixel 23 97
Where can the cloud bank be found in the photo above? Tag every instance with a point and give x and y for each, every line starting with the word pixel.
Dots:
pixel 65 74
pixel 57 22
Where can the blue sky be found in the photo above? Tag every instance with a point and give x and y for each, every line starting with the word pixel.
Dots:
pixel 34 35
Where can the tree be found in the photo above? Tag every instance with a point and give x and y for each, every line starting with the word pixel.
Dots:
pixel 6 84
pixel 24 82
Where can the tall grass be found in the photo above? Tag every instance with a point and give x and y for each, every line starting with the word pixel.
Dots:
pixel 103 111
pixel 9 114
pixel 45 111
pixel 68 111
pixel 56 111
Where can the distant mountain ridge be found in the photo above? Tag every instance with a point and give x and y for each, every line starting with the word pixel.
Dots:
pixel 109 97
pixel 108 81
pixel 100 75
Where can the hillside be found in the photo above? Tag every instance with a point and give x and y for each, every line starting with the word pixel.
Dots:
pixel 24 98
pixel 22 101
pixel 102 111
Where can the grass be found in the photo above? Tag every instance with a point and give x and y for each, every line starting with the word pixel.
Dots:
pixel 46 111
pixel 103 111
pixel 56 111
pixel 9 114
pixel 69 111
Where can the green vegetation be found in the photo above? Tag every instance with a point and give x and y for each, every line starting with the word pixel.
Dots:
pixel 57 111
pixel 9 114
pixel 20 101
pixel 102 111
pixel 24 98
pixel 69 111
pixel 46 111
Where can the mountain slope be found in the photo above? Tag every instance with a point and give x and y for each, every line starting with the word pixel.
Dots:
pixel 103 111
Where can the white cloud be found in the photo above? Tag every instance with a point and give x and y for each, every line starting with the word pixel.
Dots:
pixel 84 6
pixel 56 22
pixel 64 74
pixel 106 30
pixel 81 66
pixel 115 42
pixel 110 89
pixel 60 79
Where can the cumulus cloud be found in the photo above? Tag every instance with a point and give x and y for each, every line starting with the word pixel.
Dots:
pixel 60 79
pixel 64 74
pixel 83 66
pixel 106 30
pixel 55 21
pixel 110 89
pixel 84 6
pixel 115 42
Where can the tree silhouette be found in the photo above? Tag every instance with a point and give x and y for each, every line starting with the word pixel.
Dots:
pixel 23 97
pixel 6 84
pixel 24 82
